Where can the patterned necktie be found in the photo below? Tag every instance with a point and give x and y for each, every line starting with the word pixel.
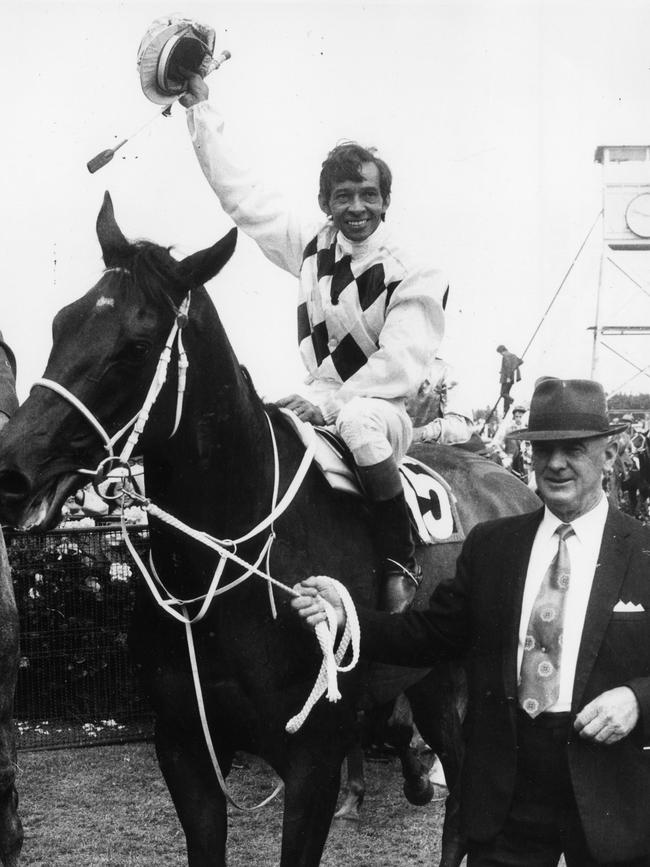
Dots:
pixel 539 682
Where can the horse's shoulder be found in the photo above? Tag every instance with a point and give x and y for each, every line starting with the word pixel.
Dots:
pixel 483 489
pixel 508 526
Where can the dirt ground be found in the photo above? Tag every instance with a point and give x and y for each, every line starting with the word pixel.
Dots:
pixel 109 806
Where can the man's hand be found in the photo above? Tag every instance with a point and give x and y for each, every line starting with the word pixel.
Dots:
pixel 4 418
pixel 428 433
pixel 197 89
pixel 610 717
pixel 309 604
pixel 305 410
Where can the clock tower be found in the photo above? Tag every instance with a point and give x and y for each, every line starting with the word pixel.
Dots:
pixel 626 195
pixel 625 259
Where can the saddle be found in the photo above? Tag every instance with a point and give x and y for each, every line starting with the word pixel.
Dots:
pixel 430 499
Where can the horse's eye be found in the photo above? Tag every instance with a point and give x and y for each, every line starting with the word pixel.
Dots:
pixel 137 351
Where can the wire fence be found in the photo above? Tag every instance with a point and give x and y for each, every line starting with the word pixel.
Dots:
pixel 75 590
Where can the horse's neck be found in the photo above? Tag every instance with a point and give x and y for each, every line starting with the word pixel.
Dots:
pixel 218 467
pixel 228 495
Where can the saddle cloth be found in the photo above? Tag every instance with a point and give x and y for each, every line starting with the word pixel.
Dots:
pixel 431 502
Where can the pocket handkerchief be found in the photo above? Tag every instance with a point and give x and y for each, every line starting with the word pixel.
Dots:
pixel 628 607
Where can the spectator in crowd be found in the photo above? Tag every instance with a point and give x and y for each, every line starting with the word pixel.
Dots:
pixel 439 410
pixel 513 446
pixel 508 375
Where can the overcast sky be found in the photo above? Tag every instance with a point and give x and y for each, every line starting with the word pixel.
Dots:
pixel 488 112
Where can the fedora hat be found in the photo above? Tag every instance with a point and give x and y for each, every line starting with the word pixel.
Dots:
pixel 567 409
pixel 169 45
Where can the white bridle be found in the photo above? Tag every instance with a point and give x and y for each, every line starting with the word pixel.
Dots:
pixel 325 632
pixel 138 422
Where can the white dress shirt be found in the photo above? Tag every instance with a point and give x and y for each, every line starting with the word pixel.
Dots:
pixel 583 548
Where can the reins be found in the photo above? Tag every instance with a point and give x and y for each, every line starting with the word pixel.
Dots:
pixel 178 608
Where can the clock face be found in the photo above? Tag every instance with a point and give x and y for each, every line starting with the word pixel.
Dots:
pixel 637 215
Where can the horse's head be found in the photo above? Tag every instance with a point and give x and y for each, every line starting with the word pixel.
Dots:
pixel 104 356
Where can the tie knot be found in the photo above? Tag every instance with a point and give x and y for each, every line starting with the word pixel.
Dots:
pixel 564 531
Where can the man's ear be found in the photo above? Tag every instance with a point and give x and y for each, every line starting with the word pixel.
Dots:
pixel 386 203
pixel 324 205
pixel 611 450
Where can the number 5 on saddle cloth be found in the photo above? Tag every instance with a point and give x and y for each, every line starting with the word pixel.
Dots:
pixel 431 502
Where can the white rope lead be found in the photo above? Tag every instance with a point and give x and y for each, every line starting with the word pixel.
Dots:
pixel 331 664
pixel 326 680
pixel 206 728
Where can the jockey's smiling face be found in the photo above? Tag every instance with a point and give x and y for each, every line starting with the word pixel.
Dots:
pixel 357 207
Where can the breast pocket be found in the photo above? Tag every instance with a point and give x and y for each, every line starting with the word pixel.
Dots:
pixel 627 644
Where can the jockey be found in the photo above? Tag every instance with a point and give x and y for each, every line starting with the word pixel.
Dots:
pixel 440 411
pixel 370 315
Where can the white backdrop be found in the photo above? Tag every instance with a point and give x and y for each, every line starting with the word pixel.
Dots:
pixel 488 112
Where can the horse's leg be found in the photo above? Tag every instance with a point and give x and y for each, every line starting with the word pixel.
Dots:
pixel 356 780
pixel 418 788
pixel 438 718
pixel 199 802
pixel 11 831
pixel 312 781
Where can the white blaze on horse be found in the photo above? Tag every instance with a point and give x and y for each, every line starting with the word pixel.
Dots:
pixel 220 461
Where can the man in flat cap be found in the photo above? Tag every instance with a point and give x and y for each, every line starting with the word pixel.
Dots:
pixel 551 610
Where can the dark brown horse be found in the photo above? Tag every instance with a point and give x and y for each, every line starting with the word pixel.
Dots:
pixel 215 471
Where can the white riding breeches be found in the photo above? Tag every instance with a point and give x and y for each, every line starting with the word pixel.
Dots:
pixel 375 429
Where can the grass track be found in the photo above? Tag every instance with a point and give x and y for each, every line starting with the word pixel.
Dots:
pixel 109 806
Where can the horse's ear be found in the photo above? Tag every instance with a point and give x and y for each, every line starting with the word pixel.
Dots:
pixel 113 243
pixel 200 267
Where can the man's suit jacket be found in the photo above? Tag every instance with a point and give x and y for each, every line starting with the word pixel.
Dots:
pixel 477 614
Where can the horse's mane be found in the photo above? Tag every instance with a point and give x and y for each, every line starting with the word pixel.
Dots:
pixel 271 409
pixel 151 268
pixel 148 267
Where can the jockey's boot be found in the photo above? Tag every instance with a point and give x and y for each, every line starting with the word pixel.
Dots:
pixel 400 575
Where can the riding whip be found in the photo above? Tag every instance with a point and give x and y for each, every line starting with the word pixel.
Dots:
pixel 170 47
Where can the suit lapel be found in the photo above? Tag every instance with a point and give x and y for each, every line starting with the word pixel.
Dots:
pixel 605 591
pixel 516 577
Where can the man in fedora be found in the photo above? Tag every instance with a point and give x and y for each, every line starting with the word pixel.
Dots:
pixel 551 612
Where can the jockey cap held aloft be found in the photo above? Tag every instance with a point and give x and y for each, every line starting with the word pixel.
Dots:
pixel 169 45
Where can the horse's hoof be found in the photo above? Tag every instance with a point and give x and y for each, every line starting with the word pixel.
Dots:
pixel 349 809
pixel 437 774
pixel 419 792
pixel 347 816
